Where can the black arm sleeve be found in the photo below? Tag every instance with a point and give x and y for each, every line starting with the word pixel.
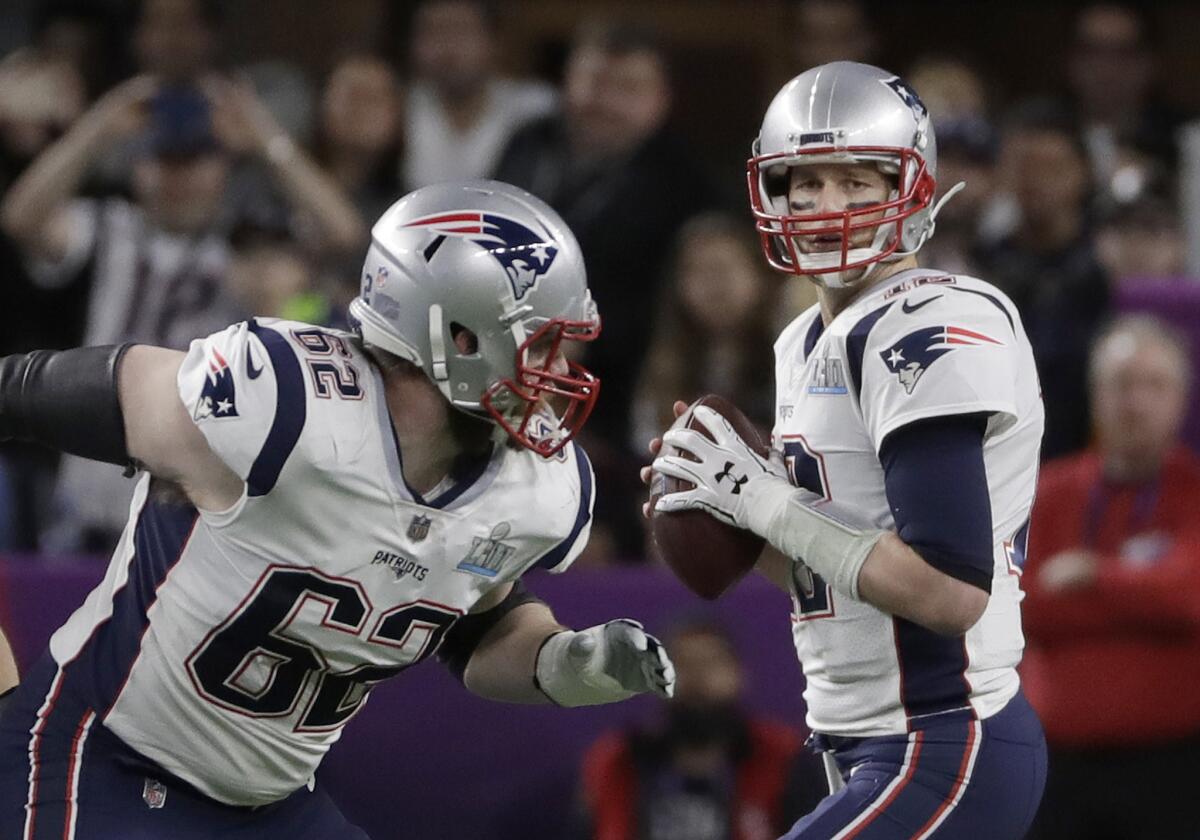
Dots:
pixel 65 399
pixel 937 489
pixel 465 634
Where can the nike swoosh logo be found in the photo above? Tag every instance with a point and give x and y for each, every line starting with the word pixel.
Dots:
pixel 253 372
pixel 908 310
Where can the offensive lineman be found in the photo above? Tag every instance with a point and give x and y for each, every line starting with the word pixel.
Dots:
pixel 909 417
pixel 318 511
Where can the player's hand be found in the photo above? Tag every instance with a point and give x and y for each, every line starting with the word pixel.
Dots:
pixel 604 664
pixel 724 470
pixel 647 472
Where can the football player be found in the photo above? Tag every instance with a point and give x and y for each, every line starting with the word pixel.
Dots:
pixel 317 511
pixel 896 502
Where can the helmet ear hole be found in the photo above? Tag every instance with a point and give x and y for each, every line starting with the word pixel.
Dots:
pixel 464 339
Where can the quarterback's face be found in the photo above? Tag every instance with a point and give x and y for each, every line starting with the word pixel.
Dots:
pixel 824 188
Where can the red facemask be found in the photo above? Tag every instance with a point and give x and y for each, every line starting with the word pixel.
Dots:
pixel 570 396
pixel 778 231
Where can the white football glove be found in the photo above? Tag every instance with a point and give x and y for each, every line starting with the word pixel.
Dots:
pixel 603 664
pixel 739 487
pixel 726 472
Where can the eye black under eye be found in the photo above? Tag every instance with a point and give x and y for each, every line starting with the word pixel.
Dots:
pixel 776 183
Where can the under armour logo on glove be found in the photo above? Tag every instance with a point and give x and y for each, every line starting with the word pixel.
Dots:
pixel 737 482
pixel 700 454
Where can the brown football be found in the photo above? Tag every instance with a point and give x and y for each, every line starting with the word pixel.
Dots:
pixel 703 552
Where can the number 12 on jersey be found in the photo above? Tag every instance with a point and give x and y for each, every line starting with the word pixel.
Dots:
pixel 807 469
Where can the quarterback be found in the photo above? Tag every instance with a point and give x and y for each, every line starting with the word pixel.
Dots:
pixel 897 497
pixel 316 512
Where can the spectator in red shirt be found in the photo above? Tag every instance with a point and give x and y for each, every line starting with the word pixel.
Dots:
pixel 1113 607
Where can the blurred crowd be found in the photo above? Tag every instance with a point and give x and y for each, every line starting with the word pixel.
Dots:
pixel 157 191
pixel 153 190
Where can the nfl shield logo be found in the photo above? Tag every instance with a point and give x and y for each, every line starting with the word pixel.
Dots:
pixel 154 793
pixel 418 529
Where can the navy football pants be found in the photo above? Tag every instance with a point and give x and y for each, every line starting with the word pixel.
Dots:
pixel 66 777
pixel 959 780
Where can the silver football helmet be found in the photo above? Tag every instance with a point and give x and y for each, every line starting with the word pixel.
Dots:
pixel 489 258
pixel 845 112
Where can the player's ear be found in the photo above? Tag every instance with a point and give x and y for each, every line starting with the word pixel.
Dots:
pixel 465 340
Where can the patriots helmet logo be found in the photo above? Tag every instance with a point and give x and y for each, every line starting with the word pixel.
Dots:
pixel 906 93
pixel 912 355
pixel 524 254
pixel 217 398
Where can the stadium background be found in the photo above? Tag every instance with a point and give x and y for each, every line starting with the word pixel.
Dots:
pixel 425 759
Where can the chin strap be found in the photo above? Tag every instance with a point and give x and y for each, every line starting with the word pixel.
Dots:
pixel 937 208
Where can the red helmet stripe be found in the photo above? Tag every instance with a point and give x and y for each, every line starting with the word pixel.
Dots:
pixel 447 218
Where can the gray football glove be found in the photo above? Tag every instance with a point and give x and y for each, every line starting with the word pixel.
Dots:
pixel 603 664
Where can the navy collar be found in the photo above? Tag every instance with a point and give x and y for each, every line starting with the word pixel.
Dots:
pixel 470 475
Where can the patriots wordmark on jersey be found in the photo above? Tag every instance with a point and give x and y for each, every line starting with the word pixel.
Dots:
pixel 921 345
pixel 231 647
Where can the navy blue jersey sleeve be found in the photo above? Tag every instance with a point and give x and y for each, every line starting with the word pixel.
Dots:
pixel 937 489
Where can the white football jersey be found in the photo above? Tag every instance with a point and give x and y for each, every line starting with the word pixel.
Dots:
pixel 921 344
pixel 232 647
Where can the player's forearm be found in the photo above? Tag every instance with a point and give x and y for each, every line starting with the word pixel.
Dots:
pixel 898 581
pixel 502 667
pixel 859 560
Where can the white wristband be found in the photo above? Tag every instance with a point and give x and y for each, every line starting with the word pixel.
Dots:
pixel 832 540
